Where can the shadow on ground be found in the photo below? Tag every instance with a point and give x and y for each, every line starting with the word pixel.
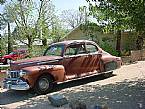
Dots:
pixel 122 95
pixel 12 96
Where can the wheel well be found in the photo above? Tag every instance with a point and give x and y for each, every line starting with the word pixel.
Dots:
pixel 47 74
pixel 44 74
pixel 5 60
pixel 8 58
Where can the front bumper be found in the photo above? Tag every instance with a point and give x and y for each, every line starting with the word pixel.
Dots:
pixel 15 84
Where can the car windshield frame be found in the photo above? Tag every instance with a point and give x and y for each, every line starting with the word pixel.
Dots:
pixel 52 50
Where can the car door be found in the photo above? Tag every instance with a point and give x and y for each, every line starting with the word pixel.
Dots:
pixel 21 55
pixel 74 57
pixel 15 55
pixel 93 57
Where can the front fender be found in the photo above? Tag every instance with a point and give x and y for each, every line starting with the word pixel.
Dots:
pixel 34 72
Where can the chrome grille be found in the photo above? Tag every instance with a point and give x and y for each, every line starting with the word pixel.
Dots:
pixel 14 74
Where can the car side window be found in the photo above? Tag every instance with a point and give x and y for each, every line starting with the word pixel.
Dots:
pixel 75 49
pixel 91 48
pixel 81 49
pixel 70 51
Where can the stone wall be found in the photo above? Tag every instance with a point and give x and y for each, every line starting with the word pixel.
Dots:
pixel 138 55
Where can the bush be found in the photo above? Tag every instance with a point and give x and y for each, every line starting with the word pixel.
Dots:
pixel 108 48
pixel 38 51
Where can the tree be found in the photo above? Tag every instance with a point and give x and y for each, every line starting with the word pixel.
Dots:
pixel 5 21
pixel 31 19
pixel 19 12
pixel 91 29
pixel 57 31
pixel 109 14
pixel 72 18
pixel 2 1
pixel 135 10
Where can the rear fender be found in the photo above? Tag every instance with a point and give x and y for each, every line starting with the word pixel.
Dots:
pixel 109 61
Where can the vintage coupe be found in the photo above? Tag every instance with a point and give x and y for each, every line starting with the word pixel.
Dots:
pixel 62 61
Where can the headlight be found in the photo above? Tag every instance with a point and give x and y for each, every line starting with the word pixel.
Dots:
pixel 22 73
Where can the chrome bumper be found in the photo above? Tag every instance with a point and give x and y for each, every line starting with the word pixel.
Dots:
pixel 15 84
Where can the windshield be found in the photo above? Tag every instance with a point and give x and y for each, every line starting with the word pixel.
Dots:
pixel 13 53
pixel 54 50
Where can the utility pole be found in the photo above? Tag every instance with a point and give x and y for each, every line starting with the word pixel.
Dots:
pixel 9 39
pixel 9 34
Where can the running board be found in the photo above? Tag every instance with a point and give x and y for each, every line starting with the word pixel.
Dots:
pixel 82 77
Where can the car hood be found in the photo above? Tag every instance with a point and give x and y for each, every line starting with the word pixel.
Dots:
pixel 34 61
pixel 7 56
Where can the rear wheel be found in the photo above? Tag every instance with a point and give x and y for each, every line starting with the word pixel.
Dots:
pixel 44 84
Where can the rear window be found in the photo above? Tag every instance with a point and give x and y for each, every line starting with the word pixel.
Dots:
pixel 75 49
pixel 91 48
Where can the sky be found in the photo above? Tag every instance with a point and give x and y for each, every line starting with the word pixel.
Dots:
pixel 68 4
pixel 61 5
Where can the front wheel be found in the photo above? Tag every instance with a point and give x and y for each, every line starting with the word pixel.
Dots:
pixel 43 84
pixel 7 61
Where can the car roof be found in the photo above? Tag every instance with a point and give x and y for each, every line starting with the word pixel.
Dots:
pixel 68 42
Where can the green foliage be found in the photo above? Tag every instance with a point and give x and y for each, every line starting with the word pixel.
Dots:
pixel 108 48
pixel 126 14
pixel 34 20
pixel 90 27
pixel 57 32
pixel 38 51
pixel 2 2
pixel 3 44
pixel 108 14
pixel 118 15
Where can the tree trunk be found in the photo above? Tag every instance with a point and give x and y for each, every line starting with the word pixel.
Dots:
pixel 10 49
pixel 118 42
pixel 30 42
pixel 44 41
pixel 139 42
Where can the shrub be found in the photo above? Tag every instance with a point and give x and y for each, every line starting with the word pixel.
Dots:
pixel 108 48
pixel 38 51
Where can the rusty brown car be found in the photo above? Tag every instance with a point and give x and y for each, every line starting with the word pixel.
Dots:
pixel 62 61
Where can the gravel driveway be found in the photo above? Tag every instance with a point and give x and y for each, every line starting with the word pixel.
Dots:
pixel 125 89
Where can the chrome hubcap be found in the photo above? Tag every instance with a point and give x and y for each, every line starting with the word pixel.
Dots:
pixel 44 84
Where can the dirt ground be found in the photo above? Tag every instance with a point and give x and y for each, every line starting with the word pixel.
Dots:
pixel 125 89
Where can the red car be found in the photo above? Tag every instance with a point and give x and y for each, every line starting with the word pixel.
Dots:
pixel 13 56
pixel 0 56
